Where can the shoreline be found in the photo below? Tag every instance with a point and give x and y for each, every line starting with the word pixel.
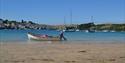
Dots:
pixel 62 52
pixel 66 42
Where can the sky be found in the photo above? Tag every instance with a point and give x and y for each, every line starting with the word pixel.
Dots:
pixel 53 11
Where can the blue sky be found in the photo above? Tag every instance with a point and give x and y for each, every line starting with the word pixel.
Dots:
pixel 53 11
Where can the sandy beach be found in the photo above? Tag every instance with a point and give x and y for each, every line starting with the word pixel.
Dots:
pixel 62 53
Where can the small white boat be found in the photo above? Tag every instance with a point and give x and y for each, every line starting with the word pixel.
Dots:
pixel 112 31
pixel 42 37
pixel 105 31
pixel 77 30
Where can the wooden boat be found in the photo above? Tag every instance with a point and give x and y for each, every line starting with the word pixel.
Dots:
pixel 42 37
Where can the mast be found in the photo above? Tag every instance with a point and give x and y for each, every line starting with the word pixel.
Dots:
pixel 91 18
pixel 71 17
pixel 64 20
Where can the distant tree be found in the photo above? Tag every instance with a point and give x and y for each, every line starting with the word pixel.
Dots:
pixel 22 21
pixel 13 22
pixel 1 19
pixel 31 22
pixel 86 26
pixel 5 21
pixel 67 28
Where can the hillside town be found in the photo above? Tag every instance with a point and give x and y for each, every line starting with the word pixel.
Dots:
pixel 11 24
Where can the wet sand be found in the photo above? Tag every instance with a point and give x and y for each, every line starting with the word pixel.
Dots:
pixel 62 53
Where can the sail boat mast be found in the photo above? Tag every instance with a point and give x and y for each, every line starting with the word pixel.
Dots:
pixel 71 17
pixel 64 20
pixel 91 19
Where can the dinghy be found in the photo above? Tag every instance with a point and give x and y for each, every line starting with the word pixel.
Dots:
pixel 32 36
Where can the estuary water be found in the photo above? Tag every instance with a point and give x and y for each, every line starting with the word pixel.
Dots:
pixel 80 36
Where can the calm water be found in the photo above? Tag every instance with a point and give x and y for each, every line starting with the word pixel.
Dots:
pixel 21 36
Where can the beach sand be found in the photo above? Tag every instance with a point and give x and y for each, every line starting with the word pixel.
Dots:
pixel 62 53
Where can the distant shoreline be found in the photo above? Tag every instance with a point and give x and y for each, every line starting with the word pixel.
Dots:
pixel 91 26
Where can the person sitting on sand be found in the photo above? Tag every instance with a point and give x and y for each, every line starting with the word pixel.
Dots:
pixel 62 36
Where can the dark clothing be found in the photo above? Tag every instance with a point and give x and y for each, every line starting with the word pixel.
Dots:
pixel 62 37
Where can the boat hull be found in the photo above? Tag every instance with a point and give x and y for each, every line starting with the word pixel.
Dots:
pixel 33 37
